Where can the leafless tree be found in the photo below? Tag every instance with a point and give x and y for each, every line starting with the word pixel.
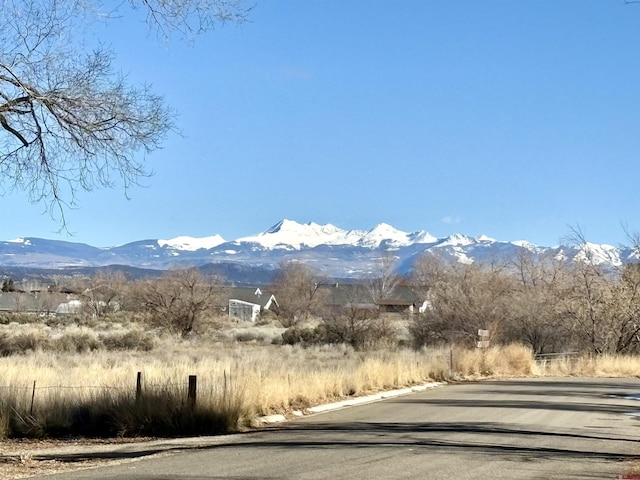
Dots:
pixel 545 301
pixel 586 295
pixel 534 317
pixel 47 302
pixel 463 299
pixel 188 17
pixel 430 269
pixel 102 293
pixel 295 286
pixel 69 120
pixel 357 322
pixel 602 306
pixel 384 279
pixel 178 301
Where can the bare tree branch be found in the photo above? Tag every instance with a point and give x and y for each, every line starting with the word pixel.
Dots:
pixel 70 121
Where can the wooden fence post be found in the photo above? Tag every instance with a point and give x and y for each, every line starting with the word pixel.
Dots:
pixel 33 396
pixel 191 395
pixel 451 359
pixel 138 386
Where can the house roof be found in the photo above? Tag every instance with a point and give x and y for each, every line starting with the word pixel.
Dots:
pixel 14 301
pixel 28 302
pixel 255 295
pixel 358 294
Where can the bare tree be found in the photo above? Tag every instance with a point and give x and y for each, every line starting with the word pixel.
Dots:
pixel 430 269
pixel 295 286
pixel 101 295
pixel 463 299
pixel 47 302
pixel 384 279
pixel 357 322
pixel 178 301
pixel 586 296
pixel 188 17
pixel 69 120
pixel 534 315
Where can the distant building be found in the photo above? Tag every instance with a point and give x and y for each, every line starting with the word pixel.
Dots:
pixel 402 299
pixel 247 303
pixel 40 303
pixel 71 307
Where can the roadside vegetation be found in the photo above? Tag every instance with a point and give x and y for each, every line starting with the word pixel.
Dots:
pixel 93 393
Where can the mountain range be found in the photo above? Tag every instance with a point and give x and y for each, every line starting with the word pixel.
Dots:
pixel 333 251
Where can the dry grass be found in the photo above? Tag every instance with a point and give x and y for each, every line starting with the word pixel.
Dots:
pixel 242 373
pixel 19 338
pixel 590 366
pixel 501 361
pixel 241 380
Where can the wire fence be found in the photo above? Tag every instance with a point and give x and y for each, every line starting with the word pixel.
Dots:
pixel 544 359
pixel 138 388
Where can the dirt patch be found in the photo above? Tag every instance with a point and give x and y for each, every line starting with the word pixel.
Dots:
pixel 20 458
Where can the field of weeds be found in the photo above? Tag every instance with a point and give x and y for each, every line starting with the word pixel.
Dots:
pixel 142 388
pixel 96 393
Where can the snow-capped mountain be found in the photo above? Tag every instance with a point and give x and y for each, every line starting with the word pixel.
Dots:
pixel 192 244
pixel 330 249
pixel 290 235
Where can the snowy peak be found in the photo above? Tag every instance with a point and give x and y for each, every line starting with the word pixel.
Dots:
pixel 422 237
pixel 288 234
pixel 457 240
pixel 191 244
pixel 599 254
pixel 392 237
pixel 290 227
pixel 291 235
pixel 384 233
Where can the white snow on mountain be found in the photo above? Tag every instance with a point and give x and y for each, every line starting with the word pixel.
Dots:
pixel 384 232
pixel 291 234
pixel 347 252
pixel 525 244
pixel 486 239
pixel 24 241
pixel 456 240
pixel 191 244
pixel 599 254
pixel 422 237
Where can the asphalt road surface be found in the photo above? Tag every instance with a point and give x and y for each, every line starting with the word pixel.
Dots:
pixel 528 428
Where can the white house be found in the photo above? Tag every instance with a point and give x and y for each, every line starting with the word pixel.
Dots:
pixel 247 303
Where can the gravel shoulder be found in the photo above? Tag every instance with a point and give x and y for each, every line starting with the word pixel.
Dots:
pixel 24 458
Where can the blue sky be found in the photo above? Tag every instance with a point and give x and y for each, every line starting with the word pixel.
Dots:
pixel 513 119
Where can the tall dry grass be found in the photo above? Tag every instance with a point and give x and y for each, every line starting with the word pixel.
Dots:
pixel 93 393
pixel 589 366
pixel 496 361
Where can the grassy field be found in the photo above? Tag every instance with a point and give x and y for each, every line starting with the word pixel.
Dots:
pixel 84 386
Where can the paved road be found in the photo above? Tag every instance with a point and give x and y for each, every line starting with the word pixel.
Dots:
pixel 516 429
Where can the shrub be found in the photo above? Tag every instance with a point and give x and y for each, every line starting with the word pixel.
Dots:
pixel 131 340
pixel 77 340
pixel 249 336
pixel 300 335
pixel 22 342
